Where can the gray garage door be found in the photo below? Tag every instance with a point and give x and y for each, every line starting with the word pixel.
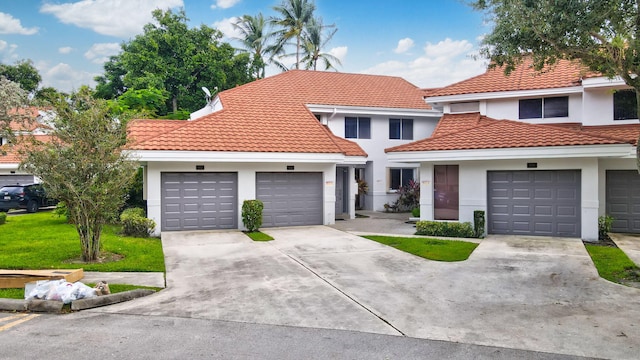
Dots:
pixel 15 179
pixel 199 201
pixel 290 198
pixel 623 200
pixel 543 203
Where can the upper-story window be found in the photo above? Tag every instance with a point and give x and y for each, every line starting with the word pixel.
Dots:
pixel 551 107
pixel 357 128
pixel 401 129
pixel 625 106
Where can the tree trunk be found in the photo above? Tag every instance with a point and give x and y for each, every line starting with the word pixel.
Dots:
pixel 174 104
pixel 638 141
pixel 89 232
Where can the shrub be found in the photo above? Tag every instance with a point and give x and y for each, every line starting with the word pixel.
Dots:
pixel 415 212
pixel 3 217
pixel 252 214
pixel 447 229
pixel 134 223
pixel 604 226
pixel 478 223
pixel 409 196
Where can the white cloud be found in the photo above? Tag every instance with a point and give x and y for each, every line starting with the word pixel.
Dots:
pixel 8 52
pixel 65 50
pixel 403 45
pixel 440 64
pixel 224 4
pixel 120 18
pixel 99 53
pixel 340 52
pixel 63 77
pixel 227 28
pixel 11 25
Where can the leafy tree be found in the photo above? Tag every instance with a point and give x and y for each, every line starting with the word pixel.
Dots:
pixel 314 40
pixel 178 60
pixel 46 94
pixel 13 99
pixel 143 102
pixel 293 17
pixel 604 35
pixel 24 73
pixel 83 165
pixel 255 38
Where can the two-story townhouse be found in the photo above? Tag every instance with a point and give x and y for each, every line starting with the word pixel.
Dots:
pixel 297 141
pixel 541 153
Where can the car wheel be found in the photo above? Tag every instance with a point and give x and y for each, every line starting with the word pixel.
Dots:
pixel 32 206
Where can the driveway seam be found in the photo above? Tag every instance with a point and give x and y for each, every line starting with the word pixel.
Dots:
pixel 342 292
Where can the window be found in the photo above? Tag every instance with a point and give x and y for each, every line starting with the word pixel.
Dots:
pixel 445 192
pixel 400 177
pixel 401 129
pixel 625 106
pixel 551 107
pixel 357 128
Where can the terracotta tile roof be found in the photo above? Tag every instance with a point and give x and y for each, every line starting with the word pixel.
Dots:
pixel 629 133
pixel 141 129
pixel 12 156
pixel 564 73
pixel 452 123
pixel 270 115
pixel 500 134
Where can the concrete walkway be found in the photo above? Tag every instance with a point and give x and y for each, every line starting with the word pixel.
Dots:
pixel 540 294
pixel 630 244
pixel 151 279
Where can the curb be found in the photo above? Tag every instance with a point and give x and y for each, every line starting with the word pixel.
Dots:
pixel 52 306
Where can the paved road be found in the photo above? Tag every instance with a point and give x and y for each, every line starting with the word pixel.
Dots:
pixel 112 336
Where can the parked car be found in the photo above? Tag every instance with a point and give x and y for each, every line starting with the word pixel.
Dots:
pixel 25 196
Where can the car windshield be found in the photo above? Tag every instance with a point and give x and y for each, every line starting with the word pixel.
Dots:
pixel 11 189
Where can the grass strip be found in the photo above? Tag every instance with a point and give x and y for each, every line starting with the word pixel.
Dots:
pixel 432 249
pixel 258 236
pixel 613 264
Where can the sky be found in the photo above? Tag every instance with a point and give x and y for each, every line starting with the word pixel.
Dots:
pixel 430 43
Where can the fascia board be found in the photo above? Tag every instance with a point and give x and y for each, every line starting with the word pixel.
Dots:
pixel 551 152
pixel 361 110
pixel 603 82
pixel 229 156
pixel 9 166
pixel 503 95
pixel 354 160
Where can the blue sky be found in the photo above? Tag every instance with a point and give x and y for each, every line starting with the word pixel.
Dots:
pixel 428 42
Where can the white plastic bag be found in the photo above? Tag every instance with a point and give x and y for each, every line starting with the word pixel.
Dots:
pixel 59 290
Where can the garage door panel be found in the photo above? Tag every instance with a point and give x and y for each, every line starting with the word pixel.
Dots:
pixel 623 200
pixel 554 201
pixel 199 201
pixel 290 198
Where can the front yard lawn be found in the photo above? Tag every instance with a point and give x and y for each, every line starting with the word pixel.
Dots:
pixel 45 241
pixel 432 249
pixel 613 264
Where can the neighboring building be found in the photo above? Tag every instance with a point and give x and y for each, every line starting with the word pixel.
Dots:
pixel 36 123
pixel 297 141
pixel 563 155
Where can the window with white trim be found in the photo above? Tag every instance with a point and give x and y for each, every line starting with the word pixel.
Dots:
pixel 400 177
pixel 542 108
pixel 401 129
pixel 357 128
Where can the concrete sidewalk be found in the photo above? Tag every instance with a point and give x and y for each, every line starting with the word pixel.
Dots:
pixel 629 243
pixel 151 279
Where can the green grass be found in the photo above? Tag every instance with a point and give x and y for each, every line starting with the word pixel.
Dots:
pixel 432 249
pixel 115 288
pixel 45 241
pixel 258 236
pixel 613 264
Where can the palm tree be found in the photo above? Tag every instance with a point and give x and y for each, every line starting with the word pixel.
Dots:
pixel 294 15
pixel 254 39
pixel 313 43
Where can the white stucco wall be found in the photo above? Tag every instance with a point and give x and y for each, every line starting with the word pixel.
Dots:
pixel 246 182
pixel 598 108
pixel 473 186
pixel 509 109
pixel 376 174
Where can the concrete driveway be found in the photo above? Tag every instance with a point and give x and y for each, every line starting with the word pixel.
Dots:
pixel 539 294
